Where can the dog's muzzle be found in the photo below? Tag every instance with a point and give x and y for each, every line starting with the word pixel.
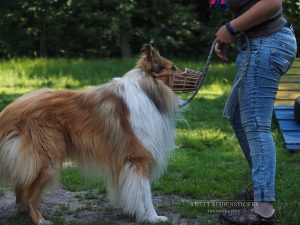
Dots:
pixel 183 82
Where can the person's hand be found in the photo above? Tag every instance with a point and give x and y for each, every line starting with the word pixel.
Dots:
pixel 221 51
pixel 223 38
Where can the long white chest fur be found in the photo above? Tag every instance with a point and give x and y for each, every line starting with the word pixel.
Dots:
pixel 155 130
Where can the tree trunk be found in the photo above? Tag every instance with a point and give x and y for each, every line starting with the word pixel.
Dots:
pixel 43 41
pixel 125 45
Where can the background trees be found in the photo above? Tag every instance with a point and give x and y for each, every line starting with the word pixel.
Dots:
pixel 111 28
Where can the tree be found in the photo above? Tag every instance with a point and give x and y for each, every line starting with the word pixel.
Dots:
pixel 109 28
pixel 292 13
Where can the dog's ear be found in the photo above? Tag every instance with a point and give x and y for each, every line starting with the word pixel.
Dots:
pixel 152 56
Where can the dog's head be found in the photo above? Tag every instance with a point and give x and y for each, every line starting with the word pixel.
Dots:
pixel 165 70
pixel 157 66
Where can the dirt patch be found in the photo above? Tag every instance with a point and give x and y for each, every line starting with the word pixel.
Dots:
pixel 92 207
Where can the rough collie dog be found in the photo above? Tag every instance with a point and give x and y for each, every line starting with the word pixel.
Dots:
pixel 124 128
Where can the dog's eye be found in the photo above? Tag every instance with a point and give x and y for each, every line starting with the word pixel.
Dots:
pixel 158 67
pixel 173 68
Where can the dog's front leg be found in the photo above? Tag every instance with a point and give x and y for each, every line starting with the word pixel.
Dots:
pixel 150 213
pixel 135 195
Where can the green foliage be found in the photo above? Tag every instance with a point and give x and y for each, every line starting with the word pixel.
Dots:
pixel 105 28
pixel 292 12
pixel 76 28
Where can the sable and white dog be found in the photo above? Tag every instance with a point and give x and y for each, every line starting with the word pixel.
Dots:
pixel 124 128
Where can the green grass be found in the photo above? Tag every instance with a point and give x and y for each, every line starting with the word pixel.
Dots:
pixel 57 220
pixel 74 180
pixel 207 164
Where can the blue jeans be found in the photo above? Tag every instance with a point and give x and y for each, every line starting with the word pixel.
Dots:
pixel 251 115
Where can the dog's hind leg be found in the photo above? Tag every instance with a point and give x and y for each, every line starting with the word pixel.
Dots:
pixel 33 192
pixel 20 202
pixel 135 194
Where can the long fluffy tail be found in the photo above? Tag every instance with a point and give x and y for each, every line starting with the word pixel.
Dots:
pixel 18 165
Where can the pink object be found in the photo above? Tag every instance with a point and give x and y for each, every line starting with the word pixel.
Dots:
pixel 215 3
pixel 212 2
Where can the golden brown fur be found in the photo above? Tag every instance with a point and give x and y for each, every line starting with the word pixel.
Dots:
pixel 93 126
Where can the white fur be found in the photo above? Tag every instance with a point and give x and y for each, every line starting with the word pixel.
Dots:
pixel 154 130
pixel 21 169
pixel 135 196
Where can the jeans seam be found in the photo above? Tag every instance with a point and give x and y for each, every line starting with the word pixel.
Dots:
pixel 249 93
pixel 262 168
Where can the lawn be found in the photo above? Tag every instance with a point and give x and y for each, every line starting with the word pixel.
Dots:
pixel 207 164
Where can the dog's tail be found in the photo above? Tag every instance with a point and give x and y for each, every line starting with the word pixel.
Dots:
pixel 16 164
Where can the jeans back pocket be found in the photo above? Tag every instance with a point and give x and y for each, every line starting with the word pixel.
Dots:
pixel 280 62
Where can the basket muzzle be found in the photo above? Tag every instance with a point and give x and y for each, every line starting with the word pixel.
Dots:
pixel 181 82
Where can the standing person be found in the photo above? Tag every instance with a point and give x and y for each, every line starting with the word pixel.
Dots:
pixel 249 106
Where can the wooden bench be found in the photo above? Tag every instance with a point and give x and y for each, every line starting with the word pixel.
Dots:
pixel 288 91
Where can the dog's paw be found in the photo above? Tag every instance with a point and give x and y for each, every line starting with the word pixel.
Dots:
pixel 162 219
pixel 44 222
pixel 157 219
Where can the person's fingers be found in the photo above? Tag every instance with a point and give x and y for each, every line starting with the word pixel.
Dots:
pixel 218 51
pixel 217 48
pixel 219 54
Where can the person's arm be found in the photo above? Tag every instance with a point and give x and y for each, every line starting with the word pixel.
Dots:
pixel 258 13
